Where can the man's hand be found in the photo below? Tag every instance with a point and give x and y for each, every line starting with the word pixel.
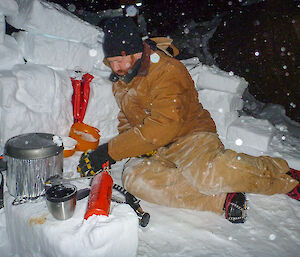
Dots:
pixel 93 161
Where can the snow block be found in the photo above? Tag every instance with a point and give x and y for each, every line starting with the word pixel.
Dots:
pixel 2 28
pixel 220 101
pixel 223 121
pixel 34 232
pixel 8 88
pixel 10 53
pixel 191 65
pixel 43 17
pixel 8 7
pixel 105 117
pixel 57 53
pixel 251 132
pixel 215 79
pixel 39 101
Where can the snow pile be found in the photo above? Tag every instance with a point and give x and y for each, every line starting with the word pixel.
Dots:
pixel 34 232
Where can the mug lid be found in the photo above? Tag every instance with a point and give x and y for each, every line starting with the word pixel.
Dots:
pixel 60 193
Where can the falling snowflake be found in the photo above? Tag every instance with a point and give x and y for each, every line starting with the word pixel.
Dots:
pixel 272 237
pixel 93 52
pixel 154 58
pixel 239 142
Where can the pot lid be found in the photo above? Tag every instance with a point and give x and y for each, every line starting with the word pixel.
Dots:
pixel 33 146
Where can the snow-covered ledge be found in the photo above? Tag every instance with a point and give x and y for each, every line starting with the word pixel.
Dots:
pixel 34 232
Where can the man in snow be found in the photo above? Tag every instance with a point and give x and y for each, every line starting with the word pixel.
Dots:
pixel 160 114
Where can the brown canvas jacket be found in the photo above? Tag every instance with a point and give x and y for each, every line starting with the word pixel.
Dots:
pixel 157 107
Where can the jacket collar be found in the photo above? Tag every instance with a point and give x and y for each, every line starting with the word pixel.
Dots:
pixel 143 71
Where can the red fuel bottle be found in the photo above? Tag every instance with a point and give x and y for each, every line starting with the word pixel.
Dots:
pixel 100 195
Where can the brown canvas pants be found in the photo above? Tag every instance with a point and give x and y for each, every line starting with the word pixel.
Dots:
pixel 196 172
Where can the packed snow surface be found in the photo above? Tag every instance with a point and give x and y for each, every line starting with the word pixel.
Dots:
pixel 36 97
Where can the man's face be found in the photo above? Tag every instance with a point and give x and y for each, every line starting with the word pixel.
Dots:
pixel 122 64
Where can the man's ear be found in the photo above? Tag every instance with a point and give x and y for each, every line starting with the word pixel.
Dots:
pixel 105 61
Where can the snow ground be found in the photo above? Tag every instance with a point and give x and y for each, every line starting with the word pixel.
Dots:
pixel 272 229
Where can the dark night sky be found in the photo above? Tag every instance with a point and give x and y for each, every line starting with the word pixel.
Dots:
pixel 162 15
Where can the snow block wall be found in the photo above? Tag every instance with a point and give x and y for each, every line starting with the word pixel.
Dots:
pixel 36 67
pixel 58 53
pixel 41 17
pixel 219 92
pixel 36 96
pixel 55 37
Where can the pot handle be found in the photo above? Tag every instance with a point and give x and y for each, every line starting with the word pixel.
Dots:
pixel 82 193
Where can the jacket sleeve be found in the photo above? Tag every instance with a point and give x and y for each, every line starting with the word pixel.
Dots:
pixel 164 122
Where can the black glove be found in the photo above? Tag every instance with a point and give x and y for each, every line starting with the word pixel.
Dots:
pixel 92 161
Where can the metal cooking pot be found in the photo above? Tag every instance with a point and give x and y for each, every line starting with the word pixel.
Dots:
pixel 61 200
pixel 31 159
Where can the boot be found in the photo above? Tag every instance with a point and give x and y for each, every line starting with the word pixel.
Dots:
pixel 295 174
pixel 235 207
pixel 295 193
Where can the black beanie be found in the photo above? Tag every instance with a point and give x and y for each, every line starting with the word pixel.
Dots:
pixel 121 37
